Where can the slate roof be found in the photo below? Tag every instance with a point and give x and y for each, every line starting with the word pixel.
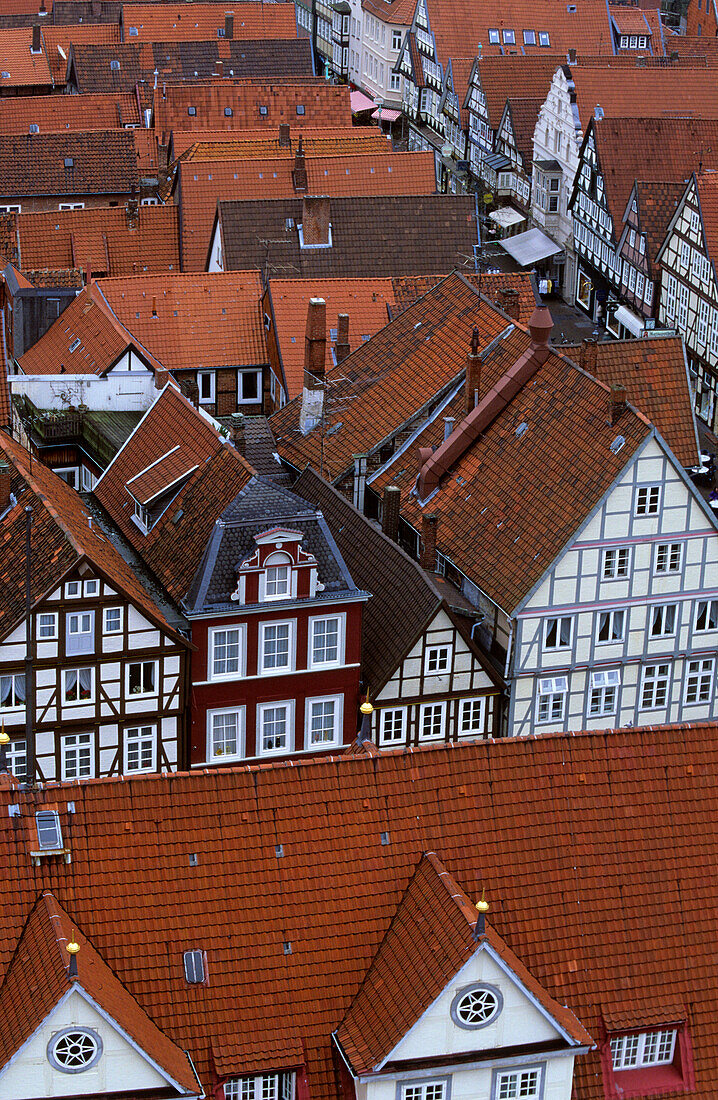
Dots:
pixel 373 235
pixel 58 113
pixel 175 545
pixel 325 106
pixel 103 163
pixel 103 239
pixel 655 374
pixel 258 506
pixel 588 885
pixel 168 22
pixel 24 68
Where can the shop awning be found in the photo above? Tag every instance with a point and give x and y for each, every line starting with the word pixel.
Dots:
pixel 506 216
pixel 360 102
pixel 630 320
pixel 386 114
pixel 530 247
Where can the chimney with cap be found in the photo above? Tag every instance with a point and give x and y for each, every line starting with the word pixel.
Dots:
pixel 509 301
pixel 315 350
pixel 285 141
pixel 229 24
pixel 427 558
pixel 616 404
pixel 473 374
pixel 315 221
pixel 162 377
pixel 588 355
pixel 190 389
pixel 236 431
pixel 299 173
pixel 342 348
pixel 390 512
pixel 36 41
pixel 133 210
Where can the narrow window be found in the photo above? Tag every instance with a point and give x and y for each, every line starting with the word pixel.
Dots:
pixel 194 967
pixel 49 833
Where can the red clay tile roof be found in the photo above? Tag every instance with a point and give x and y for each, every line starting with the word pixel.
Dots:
pixel 38 977
pixel 707 184
pixel 625 92
pixel 655 374
pixel 203 184
pixel 59 39
pixel 21 68
pixel 501 77
pixel 657 203
pixel 325 106
pixel 399 13
pixel 104 239
pixel 173 548
pixel 428 942
pixel 97 163
pixel 461 71
pixel 630 20
pixel 524 115
pixel 168 22
pixel 592 889
pixel 694 46
pixel 58 113
pixel 502 288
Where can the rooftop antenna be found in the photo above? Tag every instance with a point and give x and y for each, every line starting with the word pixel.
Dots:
pixel 482 907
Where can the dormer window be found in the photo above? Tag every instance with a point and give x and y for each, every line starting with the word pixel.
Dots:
pixel 49 833
pixel 142 517
pixel 277 578
pixel 652 1062
pixel 266 1086
pixel 650 1048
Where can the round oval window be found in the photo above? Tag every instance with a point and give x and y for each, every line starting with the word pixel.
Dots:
pixel 74 1049
pixel 476 1006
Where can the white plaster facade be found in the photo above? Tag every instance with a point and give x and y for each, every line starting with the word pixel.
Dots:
pixel 376 52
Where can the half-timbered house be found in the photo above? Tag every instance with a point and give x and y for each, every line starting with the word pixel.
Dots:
pixel 108 654
pixel 645 221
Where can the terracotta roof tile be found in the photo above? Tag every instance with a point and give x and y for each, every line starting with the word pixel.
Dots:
pixel 398 13
pixel 630 20
pixel 656 204
pixel 506 290
pixel 707 184
pixel 501 77
pixel 257 144
pixel 21 68
pixel 55 114
pixel 168 22
pixel 59 39
pixel 101 163
pixel 625 92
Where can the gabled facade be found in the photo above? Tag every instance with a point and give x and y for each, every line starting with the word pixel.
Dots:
pixel 595 234
pixel 647 215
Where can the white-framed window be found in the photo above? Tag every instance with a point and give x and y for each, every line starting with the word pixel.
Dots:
pixel 424 1090
pixel 49 830
pixel 616 562
pixel 494 37
pixel 69 474
pixel 558 632
pixel 140 749
pixel 205 385
pixel 12 691
pixel 396 40
pixel 669 557
pixel 47 626
pixel 518 1084
pixel 78 685
pixel 529 38
pixel 77 756
pixel 17 759
pixel 92 587
pixel 249 387
pixel 112 620
pixel 80 632
pixel 276 581
pixel 648 500
pixel 275 722
pixel 706 615
pixel 326 641
pixel 226 653
pixel 141 678
pixel 225 733
pixel 604 692
pixel 663 620
pixel 268 1086
pixel 544 38
pixel 88 480
pixel 73 590
pixel 431 721
pixel 509 38
pixel 437 660
pixel 142 517
pixel 651 1048
pixel 472 716
pixel 610 626
pixel 654 686
pixel 71 206
pixel 323 721
pixel 276 647
pixel 699 680
pixel 392 726
pixel 551 699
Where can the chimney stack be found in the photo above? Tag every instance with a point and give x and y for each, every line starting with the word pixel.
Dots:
pixel 616 404
pixel 540 326
pixel 299 174
pixel 219 67
pixel 154 305
pixel 472 384
pixel 342 347
pixel 315 350
pixel 133 210
pixel 285 142
pixel 4 488
pixel 390 512
pixel 588 355
pixel 236 431
pixel 571 57
pixel 162 377
pixel 36 41
pixel 509 300
pixel 190 389
pixel 427 559
pixel 315 220
pixel 449 422
pixel 229 24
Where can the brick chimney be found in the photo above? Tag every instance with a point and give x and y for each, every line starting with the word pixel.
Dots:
pixel 315 220
pixel 285 141
pixel 132 210
pixel 588 356
pixel 472 385
pixel 229 24
pixel 342 347
pixel 616 404
pixel 190 389
pixel 390 512
pixel 427 558
pixel 162 377
pixel 299 173
pixel 236 431
pixel 4 488
pixel 509 301
pixel 219 67
pixel 315 350
pixel 36 40
pixel 571 56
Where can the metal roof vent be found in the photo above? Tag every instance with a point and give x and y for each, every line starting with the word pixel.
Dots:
pixel 598 112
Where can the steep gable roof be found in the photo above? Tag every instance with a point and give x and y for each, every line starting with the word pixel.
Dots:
pixel 624 91
pixel 656 204
pixel 707 187
pixel 21 68
pixel 170 22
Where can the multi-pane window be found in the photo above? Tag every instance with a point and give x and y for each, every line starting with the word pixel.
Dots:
pixel 12 692
pixel 604 692
pixel 438 658
pixel 276 639
pixel 142 678
pixel 140 755
pixel 707 615
pixel 226 652
pixel 194 969
pixel 325 641
pixel 47 626
pixel 78 685
pixel 431 721
pixel 610 626
pixel 518 1084
pixel 648 500
pixel 17 758
pixel 323 721
pixel 268 1086
pixel 557 633
pixel 276 582
pixel 113 620
pixel 471 716
pixel 654 690
pixel 651 1048
pixel 225 733
pixel 391 726
pixel 616 563
pixel 551 699
pixel 80 635
pixel 699 680
pixel 274 731
pixel 663 620
pixel 424 1090
pixel 668 557
pixel 77 756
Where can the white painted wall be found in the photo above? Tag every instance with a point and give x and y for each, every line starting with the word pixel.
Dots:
pixel 132 391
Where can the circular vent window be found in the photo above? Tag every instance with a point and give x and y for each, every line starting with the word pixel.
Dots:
pixel 74 1049
pixel 476 1005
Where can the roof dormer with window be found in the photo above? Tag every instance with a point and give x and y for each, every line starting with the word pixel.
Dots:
pixel 648 1061
pixel 279 569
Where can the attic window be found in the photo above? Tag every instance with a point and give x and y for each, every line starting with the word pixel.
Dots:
pixel 521 429
pixel 192 111
pixel 49 833
pixel 544 39
pixel 529 38
pixel 74 1049
pixel 494 37
pixel 618 442
pixel 34 128
pixel 75 344
pixel 69 162
pixel 228 112
pixel 133 32
pixel 194 967
pixel 263 111
pixel 300 108
pixel 5 74
pixel 476 1006
pixel 115 65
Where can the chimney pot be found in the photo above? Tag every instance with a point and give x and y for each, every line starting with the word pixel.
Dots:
pixel 540 326
pixel 472 384
pixel 390 512
pixel 229 24
pixel 427 559
pixel 616 403
pixel 342 348
pixel 315 220
pixel 449 422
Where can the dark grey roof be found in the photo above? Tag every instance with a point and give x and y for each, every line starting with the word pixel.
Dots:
pixel 259 447
pixel 261 505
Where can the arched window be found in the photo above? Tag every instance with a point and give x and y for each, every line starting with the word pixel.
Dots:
pixel 278 576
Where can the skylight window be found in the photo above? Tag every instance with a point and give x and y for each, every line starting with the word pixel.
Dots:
pixel 69 162
pixel 49 833
pixel 509 38
pixel 494 37
pixel 194 967
pixel 115 65
pixel 34 128
pixel 228 112
pixel 192 111
pixel 75 344
pixel 544 39
pixel 263 110
pixel 133 32
pixel 529 38
pixel 300 108
pixel 618 442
